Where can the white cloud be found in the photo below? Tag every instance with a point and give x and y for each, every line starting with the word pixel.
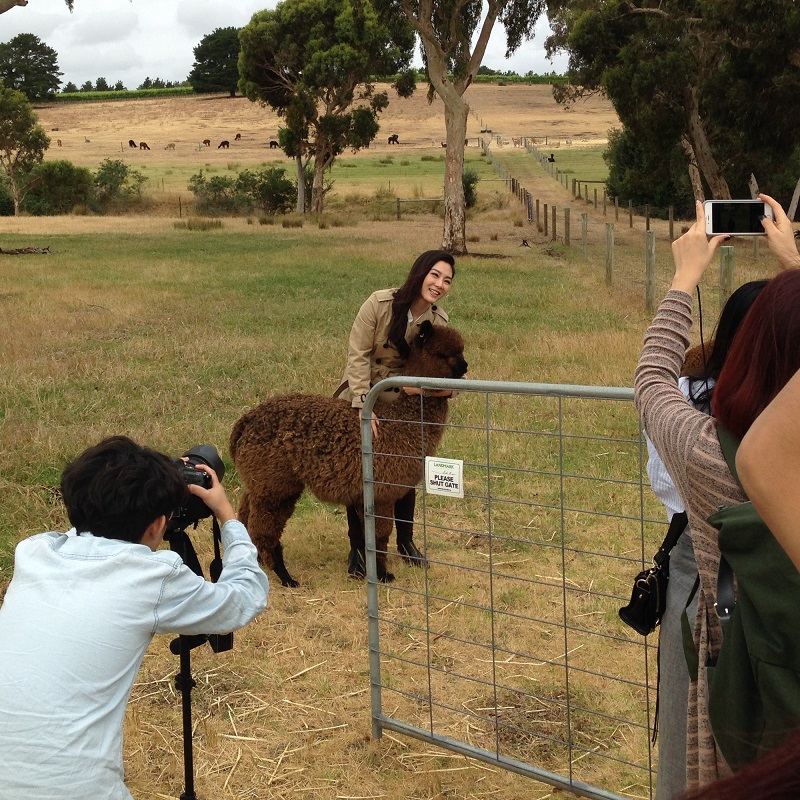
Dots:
pixel 130 39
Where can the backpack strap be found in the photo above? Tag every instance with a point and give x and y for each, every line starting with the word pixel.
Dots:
pixel 726 592
pixel 729 444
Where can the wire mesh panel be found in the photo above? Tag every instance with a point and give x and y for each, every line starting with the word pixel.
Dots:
pixel 506 645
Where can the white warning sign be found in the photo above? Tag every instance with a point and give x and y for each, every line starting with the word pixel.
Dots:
pixel 444 476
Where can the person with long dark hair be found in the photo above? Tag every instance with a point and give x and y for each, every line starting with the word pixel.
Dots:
pixel 697 385
pixel 378 348
pixel 764 355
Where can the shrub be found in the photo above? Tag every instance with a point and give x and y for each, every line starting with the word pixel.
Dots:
pixel 215 194
pixel 292 221
pixel 59 187
pixel 198 224
pixel 469 180
pixel 115 181
pixel 268 189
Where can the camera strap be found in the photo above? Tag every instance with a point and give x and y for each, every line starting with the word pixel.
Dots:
pixel 215 568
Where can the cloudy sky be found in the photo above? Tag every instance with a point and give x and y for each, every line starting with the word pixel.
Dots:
pixel 129 40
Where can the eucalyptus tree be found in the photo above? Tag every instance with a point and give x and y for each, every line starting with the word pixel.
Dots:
pixel 454 36
pixel 713 79
pixel 314 62
pixel 23 142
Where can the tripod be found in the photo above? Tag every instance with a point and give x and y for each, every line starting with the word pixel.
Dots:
pixel 180 543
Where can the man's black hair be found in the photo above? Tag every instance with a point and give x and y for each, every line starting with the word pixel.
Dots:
pixel 117 488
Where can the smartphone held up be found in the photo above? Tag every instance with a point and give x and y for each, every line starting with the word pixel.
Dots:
pixel 735 217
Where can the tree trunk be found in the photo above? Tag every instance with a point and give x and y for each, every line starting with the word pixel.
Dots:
pixel 301 185
pixel 454 238
pixel 706 162
pixel 317 199
pixel 694 173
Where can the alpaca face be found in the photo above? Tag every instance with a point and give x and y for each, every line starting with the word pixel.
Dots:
pixel 437 353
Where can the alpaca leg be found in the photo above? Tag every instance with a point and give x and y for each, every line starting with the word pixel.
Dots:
pixel 356 564
pixel 404 522
pixel 268 518
pixel 383 529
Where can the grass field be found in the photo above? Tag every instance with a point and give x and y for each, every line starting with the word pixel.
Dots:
pixel 133 326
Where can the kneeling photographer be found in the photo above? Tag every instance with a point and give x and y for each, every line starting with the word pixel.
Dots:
pixel 83 606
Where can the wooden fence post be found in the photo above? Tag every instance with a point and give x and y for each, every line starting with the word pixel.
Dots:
pixel 630 212
pixel 544 217
pixel 725 274
pixel 553 233
pixel 398 208
pixel 647 217
pixel 650 271
pixel 585 234
pixel 609 253
pixel 566 227
pixel 538 217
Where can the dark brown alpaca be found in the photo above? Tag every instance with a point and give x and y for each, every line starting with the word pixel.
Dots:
pixel 299 441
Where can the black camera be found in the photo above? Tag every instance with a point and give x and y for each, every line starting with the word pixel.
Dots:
pixel 195 509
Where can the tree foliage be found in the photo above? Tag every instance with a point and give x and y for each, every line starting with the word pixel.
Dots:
pixel 7 5
pixel 268 190
pixel 713 77
pixel 115 180
pixel 22 142
pixel 312 61
pixel 216 62
pixel 57 187
pixel 454 35
pixel 28 65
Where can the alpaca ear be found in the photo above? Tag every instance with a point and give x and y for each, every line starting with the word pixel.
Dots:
pixel 425 331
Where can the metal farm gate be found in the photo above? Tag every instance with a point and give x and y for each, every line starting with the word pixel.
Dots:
pixel 507 646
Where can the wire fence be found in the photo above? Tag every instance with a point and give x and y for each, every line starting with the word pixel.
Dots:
pixel 507 647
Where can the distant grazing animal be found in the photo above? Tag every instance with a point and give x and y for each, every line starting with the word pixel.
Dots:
pixel 87 139
pixel 207 142
pixel 394 139
pixel 300 441
pixel 517 141
pixel 552 158
pixel 131 143
pixel 143 146
pixel 273 145
pixel 170 146
pixel 224 143
pixel 53 129
pixel 238 137
pixel 444 144
pixel 58 142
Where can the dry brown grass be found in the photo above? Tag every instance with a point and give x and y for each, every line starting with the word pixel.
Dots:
pixel 286 713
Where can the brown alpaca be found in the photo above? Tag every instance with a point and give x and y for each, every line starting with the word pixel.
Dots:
pixel 298 441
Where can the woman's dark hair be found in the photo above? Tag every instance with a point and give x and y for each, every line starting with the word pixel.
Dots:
pixel 764 355
pixel 775 776
pixel 409 291
pixel 700 393
pixel 117 488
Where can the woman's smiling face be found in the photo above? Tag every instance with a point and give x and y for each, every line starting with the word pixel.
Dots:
pixel 437 283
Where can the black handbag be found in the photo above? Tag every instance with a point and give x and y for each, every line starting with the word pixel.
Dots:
pixel 649 595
